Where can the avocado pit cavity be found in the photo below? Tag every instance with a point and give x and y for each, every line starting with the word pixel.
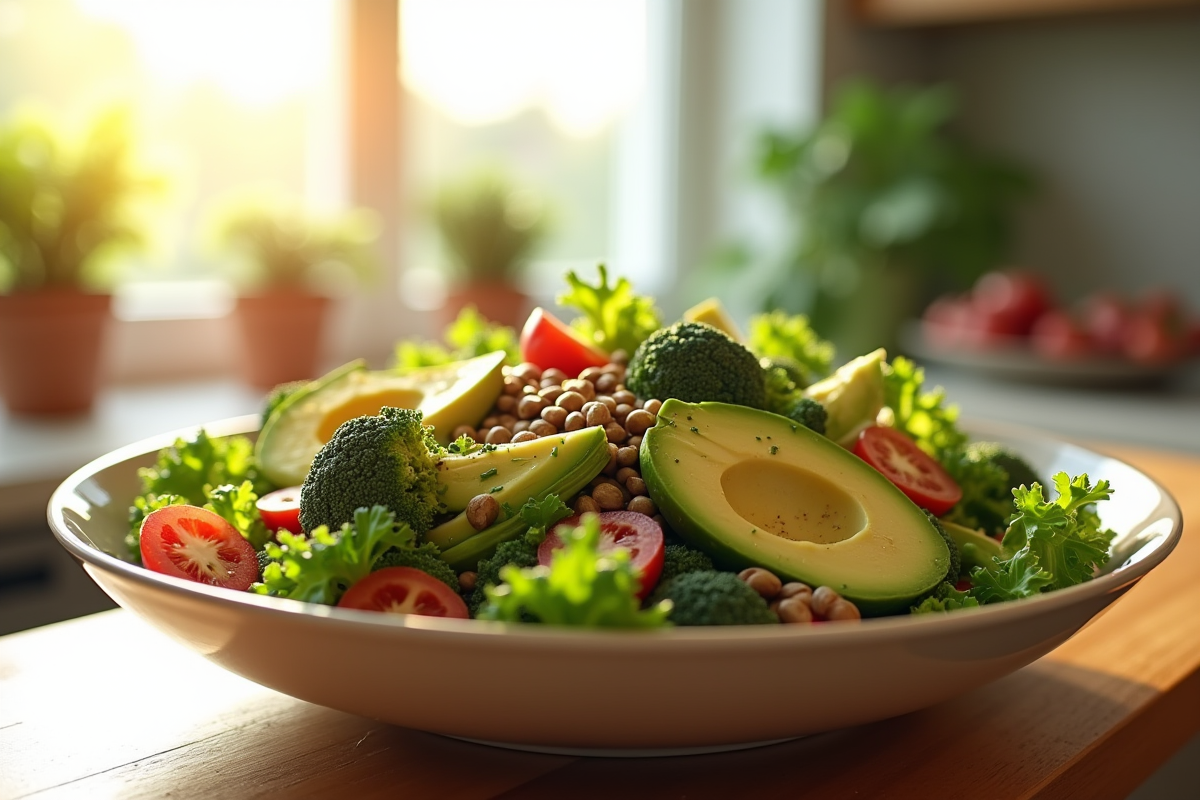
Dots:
pixel 791 502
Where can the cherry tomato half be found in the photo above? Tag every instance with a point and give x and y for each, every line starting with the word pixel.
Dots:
pixel 281 509
pixel 912 470
pixel 637 533
pixel 404 590
pixel 197 545
pixel 549 343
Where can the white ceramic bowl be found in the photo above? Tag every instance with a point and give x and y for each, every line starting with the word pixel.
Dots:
pixel 564 690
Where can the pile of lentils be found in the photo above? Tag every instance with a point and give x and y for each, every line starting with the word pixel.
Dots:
pixel 537 403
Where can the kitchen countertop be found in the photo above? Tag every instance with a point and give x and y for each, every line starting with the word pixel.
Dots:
pixel 1094 718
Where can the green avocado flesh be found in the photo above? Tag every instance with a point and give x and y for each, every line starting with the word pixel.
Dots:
pixel 448 396
pixel 752 488
pixel 561 464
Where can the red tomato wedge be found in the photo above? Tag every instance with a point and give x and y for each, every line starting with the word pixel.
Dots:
pixel 637 533
pixel 197 545
pixel 909 467
pixel 281 509
pixel 404 590
pixel 549 343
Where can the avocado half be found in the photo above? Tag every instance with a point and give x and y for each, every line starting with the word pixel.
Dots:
pixel 448 395
pixel 752 488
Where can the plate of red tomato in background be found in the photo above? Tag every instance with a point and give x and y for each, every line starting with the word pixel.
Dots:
pixel 1011 325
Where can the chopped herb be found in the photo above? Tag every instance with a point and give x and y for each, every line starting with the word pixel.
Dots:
pixel 774 449
pixel 491 472
pixel 554 452
pixel 495 489
pixel 694 429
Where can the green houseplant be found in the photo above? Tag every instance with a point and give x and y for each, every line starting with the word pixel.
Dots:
pixel 490 227
pixel 69 213
pixel 887 208
pixel 287 265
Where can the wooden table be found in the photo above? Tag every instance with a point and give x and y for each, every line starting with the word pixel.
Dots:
pixel 104 706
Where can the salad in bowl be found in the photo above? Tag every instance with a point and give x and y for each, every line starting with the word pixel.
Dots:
pixel 711 508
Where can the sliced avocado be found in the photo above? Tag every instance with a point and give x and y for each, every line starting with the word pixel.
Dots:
pixel 976 547
pixel 751 488
pixel 465 476
pixel 852 396
pixel 712 312
pixel 449 395
pixel 579 457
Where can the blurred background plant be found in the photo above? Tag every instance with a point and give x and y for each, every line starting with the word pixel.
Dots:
pixel 490 225
pixel 887 207
pixel 71 205
pixel 270 243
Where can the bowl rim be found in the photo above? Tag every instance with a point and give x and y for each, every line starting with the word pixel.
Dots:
pixel 867 632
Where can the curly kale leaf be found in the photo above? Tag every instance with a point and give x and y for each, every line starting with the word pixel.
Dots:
pixel 320 567
pixel 945 598
pixel 581 587
pixel 614 318
pixel 790 338
pixel 539 515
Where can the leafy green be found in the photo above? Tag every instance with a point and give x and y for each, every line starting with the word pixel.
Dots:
pixel 1016 577
pixel 238 505
pixel 581 587
pixel 986 493
pixel 779 335
pixel 1065 533
pixel 187 471
pixel 923 415
pixel 614 318
pixel 539 515
pixel 320 567
pixel 471 334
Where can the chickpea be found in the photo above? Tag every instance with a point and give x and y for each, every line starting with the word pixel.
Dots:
pixel 583 388
pixel 597 413
pixel 519 426
pixel 555 415
pixel 823 598
pixel 639 421
pixel 619 357
pixel 586 505
pixel 527 372
pixel 621 412
pixel 489 422
pixel 482 511
pixel 627 456
pixel 574 422
pixel 513 385
pixel 466 581
pixel 551 393
pixel 498 435
pixel 507 420
pixel 570 400
pixel 606 383
pixel 793 610
pixel 652 406
pixel 530 407
pixel 615 433
pixel 524 436
pixel 634 441
pixel 644 505
pixel 842 610
pixel 624 397
pixel 624 473
pixel 540 427
pixel 506 404
pixel 591 374
pixel 608 497
pixel 767 584
pixel 611 467
pixel 554 374
pixel 608 402
pixel 636 486
pixel 795 589
pixel 463 430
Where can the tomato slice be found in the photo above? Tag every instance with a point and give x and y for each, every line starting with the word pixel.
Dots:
pixel 637 533
pixel 909 467
pixel 549 343
pixel 404 590
pixel 197 545
pixel 281 509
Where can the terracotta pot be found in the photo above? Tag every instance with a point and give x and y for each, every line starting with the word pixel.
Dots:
pixel 498 301
pixel 51 342
pixel 281 334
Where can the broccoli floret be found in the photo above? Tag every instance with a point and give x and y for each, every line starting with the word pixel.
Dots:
pixel 784 397
pixel 386 460
pixel 790 369
pixel 424 558
pixel 694 362
pixel 679 559
pixel 276 396
pixel 1020 473
pixel 519 552
pixel 713 598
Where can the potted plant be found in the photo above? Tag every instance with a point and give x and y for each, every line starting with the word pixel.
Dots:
pixel 490 227
pixel 887 207
pixel 68 213
pixel 286 265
